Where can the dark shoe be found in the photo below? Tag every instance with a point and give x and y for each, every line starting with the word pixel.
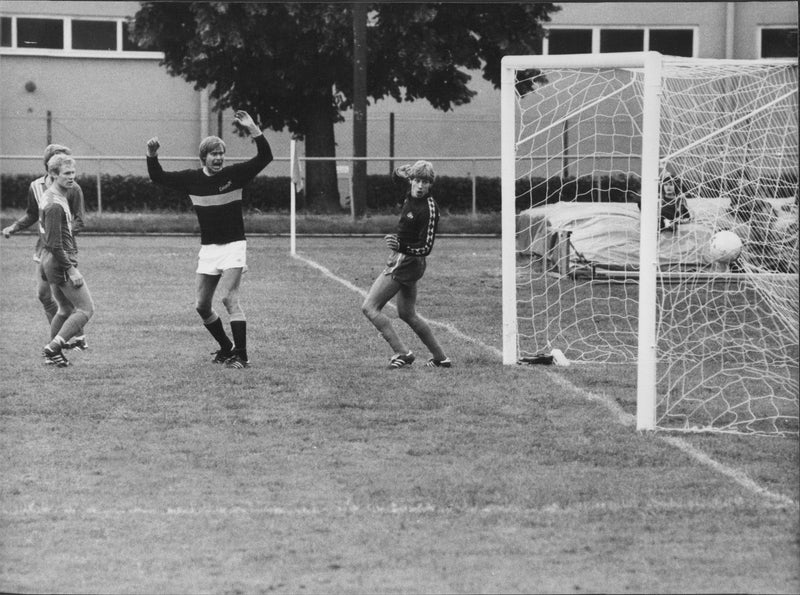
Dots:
pixel 77 344
pixel 439 363
pixel 54 357
pixel 221 356
pixel 237 362
pixel 401 361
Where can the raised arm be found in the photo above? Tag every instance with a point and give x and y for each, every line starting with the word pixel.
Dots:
pixel 175 180
pixel 249 169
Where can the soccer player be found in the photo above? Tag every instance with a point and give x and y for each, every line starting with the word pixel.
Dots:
pixel 75 201
pixel 59 264
pixel 216 193
pixel 413 242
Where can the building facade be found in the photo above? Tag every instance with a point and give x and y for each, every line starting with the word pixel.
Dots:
pixel 69 75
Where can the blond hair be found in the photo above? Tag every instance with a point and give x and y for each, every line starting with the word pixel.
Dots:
pixel 209 144
pixel 53 149
pixel 422 170
pixel 58 162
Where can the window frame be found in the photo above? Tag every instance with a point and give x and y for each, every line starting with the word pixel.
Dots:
pixel 68 51
pixel 15 32
pixel 759 39
pixel 596 29
pixel 117 34
pixel 546 40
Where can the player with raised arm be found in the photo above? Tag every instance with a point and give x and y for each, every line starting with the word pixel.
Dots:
pixel 74 196
pixel 59 262
pixel 413 242
pixel 216 194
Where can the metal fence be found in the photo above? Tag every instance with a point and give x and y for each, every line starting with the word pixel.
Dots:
pixel 98 165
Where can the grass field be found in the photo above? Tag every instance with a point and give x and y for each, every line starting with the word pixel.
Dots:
pixel 143 468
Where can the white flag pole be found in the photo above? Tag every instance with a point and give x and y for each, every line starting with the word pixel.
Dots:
pixel 293 199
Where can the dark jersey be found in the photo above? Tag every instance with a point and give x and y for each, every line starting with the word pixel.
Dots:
pixel 217 199
pixel 419 221
pixel 36 190
pixel 56 230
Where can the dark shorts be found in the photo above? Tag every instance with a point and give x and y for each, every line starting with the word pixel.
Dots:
pixel 405 269
pixel 51 271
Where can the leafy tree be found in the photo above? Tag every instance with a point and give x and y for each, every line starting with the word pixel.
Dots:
pixel 291 64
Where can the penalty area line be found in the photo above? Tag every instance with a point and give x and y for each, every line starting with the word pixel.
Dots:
pixel 622 416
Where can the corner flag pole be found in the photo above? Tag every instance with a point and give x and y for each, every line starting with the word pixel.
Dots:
pixel 294 167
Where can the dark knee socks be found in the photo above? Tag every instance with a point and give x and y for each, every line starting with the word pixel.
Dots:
pixel 239 331
pixel 218 332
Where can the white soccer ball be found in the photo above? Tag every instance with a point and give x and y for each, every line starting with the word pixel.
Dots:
pixel 725 246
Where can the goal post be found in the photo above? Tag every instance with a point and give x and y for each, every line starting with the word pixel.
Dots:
pixel 651 63
pixel 648 257
pixel 617 172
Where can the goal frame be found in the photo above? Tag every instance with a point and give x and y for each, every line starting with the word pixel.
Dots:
pixel 651 63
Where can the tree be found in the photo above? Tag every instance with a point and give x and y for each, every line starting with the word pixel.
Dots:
pixel 291 64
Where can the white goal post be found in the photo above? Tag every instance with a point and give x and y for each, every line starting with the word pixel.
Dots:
pixel 617 171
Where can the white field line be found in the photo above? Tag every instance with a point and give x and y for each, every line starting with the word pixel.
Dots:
pixel 621 415
pixel 419 508
pixel 363 293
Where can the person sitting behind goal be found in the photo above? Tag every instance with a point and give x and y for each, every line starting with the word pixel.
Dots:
pixel 673 203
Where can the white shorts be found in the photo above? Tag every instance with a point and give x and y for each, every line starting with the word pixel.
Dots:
pixel 215 258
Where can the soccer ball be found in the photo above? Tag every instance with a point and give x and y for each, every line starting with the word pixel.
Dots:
pixel 725 246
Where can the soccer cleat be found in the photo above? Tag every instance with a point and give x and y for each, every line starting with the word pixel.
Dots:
pixel 54 357
pixel 221 356
pixel 401 361
pixel 539 358
pixel 77 345
pixel 439 363
pixel 236 361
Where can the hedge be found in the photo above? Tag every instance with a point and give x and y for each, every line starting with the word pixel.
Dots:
pixel 453 194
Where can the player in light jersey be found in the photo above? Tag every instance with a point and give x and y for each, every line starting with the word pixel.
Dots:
pixel 59 264
pixel 413 242
pixel 75 201
pixel 216 193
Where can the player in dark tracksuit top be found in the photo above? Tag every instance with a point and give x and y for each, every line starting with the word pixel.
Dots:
pixel 413 242
pixel 216 194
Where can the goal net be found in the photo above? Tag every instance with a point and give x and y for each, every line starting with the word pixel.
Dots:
pixel 619 172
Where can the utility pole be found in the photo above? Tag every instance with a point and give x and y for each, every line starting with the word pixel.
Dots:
pixel 359 197
pixel 391 142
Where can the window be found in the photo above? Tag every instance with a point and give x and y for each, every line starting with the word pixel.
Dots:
pixel 779 43
pixel 40 33
pixel 570 41
pixel 672 42
pixel 621 40
pixel 97 36
pixel 94 35
pixel 5 32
